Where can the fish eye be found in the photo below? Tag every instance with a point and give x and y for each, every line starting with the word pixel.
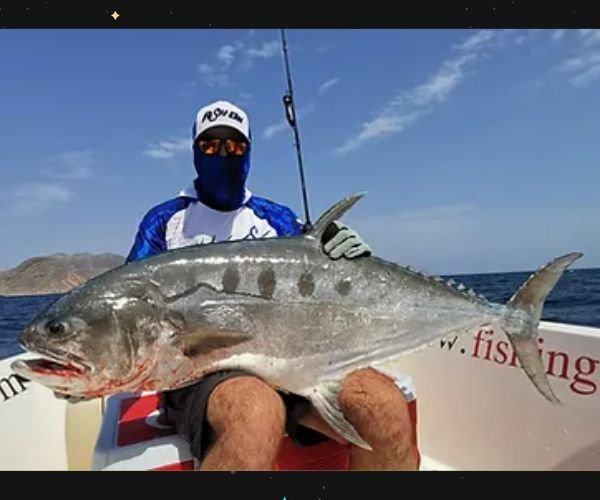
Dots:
pixel 56 327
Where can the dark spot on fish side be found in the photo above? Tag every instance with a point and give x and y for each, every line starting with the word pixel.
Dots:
pixel 343 287
pixel 306 284
pixel 231 280
pixel 462 351
pixel 267 282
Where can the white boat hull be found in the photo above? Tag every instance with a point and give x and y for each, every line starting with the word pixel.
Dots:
pixel 479 414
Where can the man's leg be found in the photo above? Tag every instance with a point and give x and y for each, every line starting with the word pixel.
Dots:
pixel 248 420
pixel 379 412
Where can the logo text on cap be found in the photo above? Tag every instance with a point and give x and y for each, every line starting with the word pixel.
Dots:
pixel 214 114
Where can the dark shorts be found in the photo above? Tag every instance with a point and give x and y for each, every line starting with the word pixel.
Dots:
pixel 185 409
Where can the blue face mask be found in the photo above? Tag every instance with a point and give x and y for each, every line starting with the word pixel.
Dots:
pixel 221 180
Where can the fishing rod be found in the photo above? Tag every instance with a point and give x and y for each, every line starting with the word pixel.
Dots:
pixel 290 113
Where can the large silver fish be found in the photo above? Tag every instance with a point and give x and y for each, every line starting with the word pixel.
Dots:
pixel 278 308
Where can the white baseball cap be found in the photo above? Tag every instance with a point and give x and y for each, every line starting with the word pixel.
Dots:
pixel 221 114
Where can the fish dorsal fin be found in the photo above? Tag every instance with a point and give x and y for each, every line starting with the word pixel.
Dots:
pixel 333 213
pixel 430 277
pixel 451 283
pixel 424 274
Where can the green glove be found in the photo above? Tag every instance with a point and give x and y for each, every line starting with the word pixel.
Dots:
pixel 340 241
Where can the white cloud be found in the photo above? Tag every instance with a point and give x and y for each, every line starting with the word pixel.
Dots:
pixel 589 37
pixel 440 85
pixel 265 51
pixel 159 154
pixel 165 150
pixel 579 63
pixel 206 69
pixel 378 128
pixel 586 77
pixel 477 41
pixel 237 56
pixel 583 67
pixel 213 76
pixel 276 128
pixel 485 40
pixel 558 35
pixel 73 165
pixel 32 198
pixel 325 86
pixel 226 54
pixel 406 108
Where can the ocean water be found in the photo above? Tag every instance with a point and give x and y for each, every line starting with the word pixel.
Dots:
pixel 575 299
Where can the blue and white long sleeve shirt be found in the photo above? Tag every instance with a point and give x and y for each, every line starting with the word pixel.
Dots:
pixel 184 221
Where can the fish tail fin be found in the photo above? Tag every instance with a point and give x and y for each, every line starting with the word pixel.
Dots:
pixel 525 311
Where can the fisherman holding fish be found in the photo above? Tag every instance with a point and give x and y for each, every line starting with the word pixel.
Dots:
pixel 227 332
pixel 234 420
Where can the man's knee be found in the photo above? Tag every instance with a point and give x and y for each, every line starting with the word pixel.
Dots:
pixel 248 406
pixel 377 408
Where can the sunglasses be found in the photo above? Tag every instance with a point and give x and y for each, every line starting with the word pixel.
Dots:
pixel 213 146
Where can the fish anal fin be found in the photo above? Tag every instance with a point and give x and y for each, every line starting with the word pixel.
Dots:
pixel 324 399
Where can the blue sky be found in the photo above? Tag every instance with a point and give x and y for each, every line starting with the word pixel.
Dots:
pixel 478 149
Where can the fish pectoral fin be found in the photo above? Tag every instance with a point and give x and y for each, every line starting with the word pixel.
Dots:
pixel 324 398
pixel 200 342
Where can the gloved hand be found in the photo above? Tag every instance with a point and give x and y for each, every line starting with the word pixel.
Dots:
pixel 339 240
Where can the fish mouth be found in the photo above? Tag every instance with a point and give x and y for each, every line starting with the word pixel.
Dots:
pixel 64 365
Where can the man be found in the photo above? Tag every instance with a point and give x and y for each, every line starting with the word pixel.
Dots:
pixel 233 420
